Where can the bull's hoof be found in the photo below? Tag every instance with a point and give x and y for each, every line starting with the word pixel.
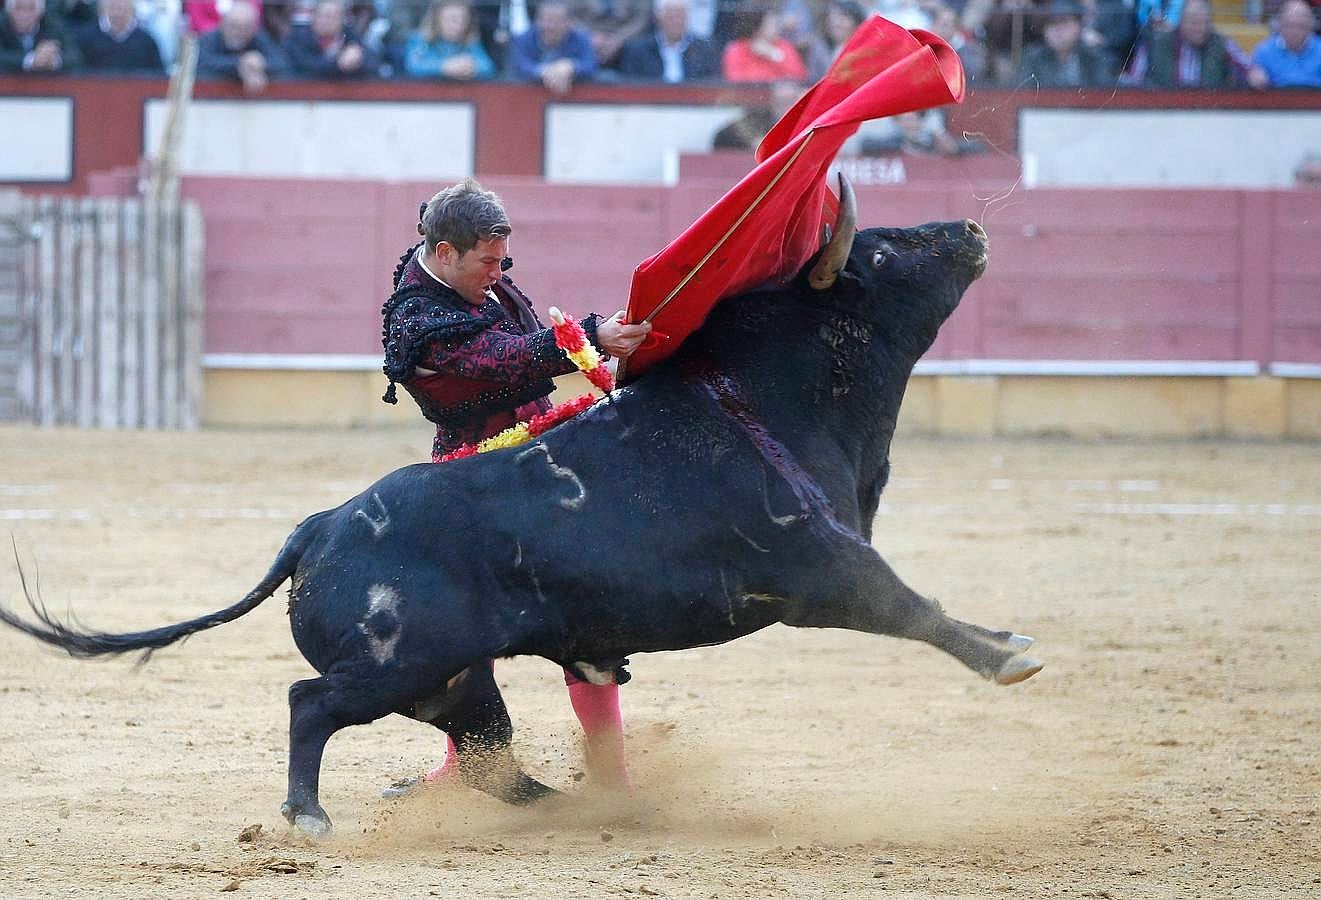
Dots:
pixel 1019 642
pixel 1019 668
pixel 313 824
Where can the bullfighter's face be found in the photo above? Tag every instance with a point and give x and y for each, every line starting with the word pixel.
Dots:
pixel 471 274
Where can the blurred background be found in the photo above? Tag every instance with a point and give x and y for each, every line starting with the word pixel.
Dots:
pixel 201 205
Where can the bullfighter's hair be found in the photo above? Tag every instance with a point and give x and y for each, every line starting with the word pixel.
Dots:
pixel 461 215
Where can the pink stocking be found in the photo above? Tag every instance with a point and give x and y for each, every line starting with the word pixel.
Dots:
pixel 597 708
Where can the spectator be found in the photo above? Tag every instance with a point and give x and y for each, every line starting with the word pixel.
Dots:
pixel 1193 56
pixel 1158 15
pixel 906 13
pixel 820 48
pixel 758 52
pixel 204 15
pixel 328 47
pixel 447 46
pixel 116 41
pixel 945 23
pixel 1112 27
pixel 239 49
pixel 552 51
pixel 916 134
pixel 1011 27
pixel 670 52
pixel 32 40
pixel 164 21
pixel 800 25
pixel 1292 56
pixel 612 24
pixel 746 132
pixel 1061 59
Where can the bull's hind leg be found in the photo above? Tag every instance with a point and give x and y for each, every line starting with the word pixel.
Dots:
pixel 859 591
pixel 473 713
pixel 319 707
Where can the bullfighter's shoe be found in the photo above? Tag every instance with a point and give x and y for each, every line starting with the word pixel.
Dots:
pixel 409 783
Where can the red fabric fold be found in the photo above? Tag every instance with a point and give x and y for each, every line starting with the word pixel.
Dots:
pixel 770 223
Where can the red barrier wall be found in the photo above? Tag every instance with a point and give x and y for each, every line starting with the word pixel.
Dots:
pixel 108 113
pixel 302 267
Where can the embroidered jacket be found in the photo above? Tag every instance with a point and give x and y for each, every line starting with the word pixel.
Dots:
pixel 490 365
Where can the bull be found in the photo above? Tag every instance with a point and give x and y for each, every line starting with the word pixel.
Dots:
pixel 742 474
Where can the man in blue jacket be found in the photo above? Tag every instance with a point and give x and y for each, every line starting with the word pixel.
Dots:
pixel 1292 56
pixel 552 51
pixel 327 47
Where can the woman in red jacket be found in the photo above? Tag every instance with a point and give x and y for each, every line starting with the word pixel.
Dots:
pixel 758 52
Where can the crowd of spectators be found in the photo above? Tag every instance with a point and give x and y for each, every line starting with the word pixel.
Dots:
pixel 557 43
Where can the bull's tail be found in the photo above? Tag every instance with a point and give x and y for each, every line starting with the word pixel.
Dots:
pixel 85 644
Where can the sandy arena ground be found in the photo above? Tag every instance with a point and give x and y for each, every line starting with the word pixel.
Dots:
pixel 1171 747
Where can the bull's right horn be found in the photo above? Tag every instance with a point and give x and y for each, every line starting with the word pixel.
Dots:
pixel 836 254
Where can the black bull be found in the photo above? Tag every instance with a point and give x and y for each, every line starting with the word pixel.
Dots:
pixel 732 487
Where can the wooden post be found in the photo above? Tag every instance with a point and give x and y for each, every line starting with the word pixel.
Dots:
pixel 193 255
pixel 25 388
pixel 109 314
pixel 163 186
pixel 168 327
pixel 82 345
pixel 130 336
pixel 151 304
pixel 66 310
pixel 43 307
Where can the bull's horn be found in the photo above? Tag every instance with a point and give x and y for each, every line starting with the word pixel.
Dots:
pixel 836 254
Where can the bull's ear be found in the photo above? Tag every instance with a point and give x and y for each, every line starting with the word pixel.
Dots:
pixel 836 254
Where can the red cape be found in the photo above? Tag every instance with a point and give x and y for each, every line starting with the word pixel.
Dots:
pixel 771 222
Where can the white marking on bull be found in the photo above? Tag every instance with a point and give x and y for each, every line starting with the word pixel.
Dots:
pixel 782 521
pixel 593 675
pixel 377 525
pixel 761 598
pixel 518 554
pixel 536 586
pixel 573 504
pixel 382 600
pixel 755 545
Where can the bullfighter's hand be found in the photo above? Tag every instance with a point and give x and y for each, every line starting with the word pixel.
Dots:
pixel 619 339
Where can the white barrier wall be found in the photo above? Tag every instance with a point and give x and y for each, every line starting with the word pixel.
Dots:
pixel 627 143
pixel 327 139
pixel 1165 147
pixel 37 142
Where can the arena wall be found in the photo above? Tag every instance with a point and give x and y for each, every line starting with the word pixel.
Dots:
pixel 1105 311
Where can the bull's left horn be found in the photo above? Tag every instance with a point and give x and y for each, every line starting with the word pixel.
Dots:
pixel 836 254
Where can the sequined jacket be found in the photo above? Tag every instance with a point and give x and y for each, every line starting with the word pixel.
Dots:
pixel 491 365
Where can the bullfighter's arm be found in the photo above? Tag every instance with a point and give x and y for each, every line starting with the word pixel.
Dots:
pixel 496 356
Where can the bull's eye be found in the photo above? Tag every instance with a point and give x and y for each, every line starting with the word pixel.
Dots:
pixel 879 258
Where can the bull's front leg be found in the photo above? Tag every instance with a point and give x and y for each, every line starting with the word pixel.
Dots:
pixel 858 590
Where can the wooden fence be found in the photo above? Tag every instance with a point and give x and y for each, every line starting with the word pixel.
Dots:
pixel 108 313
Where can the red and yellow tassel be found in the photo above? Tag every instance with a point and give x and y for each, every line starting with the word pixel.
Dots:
pixel 569 337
